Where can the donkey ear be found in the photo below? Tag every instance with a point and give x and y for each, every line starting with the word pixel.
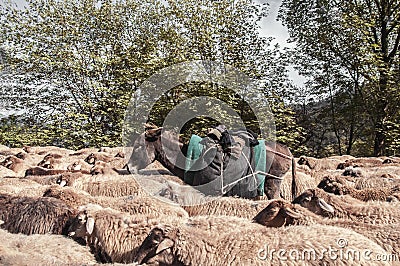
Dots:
pixel 151 133
pixel 90 225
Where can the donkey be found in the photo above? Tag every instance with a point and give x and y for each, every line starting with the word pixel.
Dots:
pixel 165 147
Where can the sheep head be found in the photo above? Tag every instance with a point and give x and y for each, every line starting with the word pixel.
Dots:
pixel 333 185
pixel 8 162
pixel 312 200
pixel 278 213
pixel 158 246
pixel 82 225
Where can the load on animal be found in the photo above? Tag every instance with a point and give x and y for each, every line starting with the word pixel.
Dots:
pixel 232 163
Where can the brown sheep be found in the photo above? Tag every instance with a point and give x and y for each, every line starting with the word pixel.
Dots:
pixel 15 164
pixel 113 236
pixel 34 215
pixel 228 206
pixel 40 171
pixel 318 164
pixel 21 187
pixel 19 249
pixel 361 162
pixel 338 186
pixel 349 208
pixel 283 213
pixel 150 206
pixel 249 244
pixel 110 186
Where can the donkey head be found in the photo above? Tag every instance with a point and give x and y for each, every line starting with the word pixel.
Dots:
pixel 145 148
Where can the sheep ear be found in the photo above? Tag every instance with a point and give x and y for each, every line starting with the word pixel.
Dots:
pixel 166 243
pixel 325 206
pixel 289 212
pixel 90 225
pixel 63 183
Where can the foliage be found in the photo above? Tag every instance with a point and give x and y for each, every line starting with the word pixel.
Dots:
pixel 73 65
pixel 349 50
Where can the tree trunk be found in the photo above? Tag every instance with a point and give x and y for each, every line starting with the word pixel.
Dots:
pixel 379 141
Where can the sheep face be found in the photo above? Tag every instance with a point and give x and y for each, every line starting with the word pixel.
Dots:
pixel 49 161
pixel 331 185
pixel 76 166
pixel 302 160
pixel 315 204
pixel 62 181
pixel 278 213
pixel 81 226
pixel 157 247
pixel 7 162
pixel 91 159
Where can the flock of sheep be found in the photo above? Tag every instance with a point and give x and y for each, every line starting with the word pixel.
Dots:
pixel 64 207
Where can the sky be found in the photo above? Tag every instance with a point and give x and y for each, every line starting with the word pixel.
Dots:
pixel 270 27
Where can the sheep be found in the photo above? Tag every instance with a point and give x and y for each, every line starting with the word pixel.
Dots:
pixel 361 162
pixel 46 150
pixel 112 186
pixel 98 156
pixel 102 185
pixel 372 182
pixel 15 164
pixel 252 244
pixel 318 164
pixel 34 215
pixel 338 186
pixel 227 206
pixel 353 172
pixel 303 182
pixel 130 204
pixel 113 236
pixel 110 150
pixel 21 187
pixel 50 160
pixel 44 179
pixel 103 168
pixel 283 213
pixel 80 165
pixel 349 208
pixel 19 249
pixel 40 171
pixel 5 172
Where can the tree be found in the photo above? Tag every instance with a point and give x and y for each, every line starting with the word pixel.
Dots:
pixel 85 59
pixel 354 45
